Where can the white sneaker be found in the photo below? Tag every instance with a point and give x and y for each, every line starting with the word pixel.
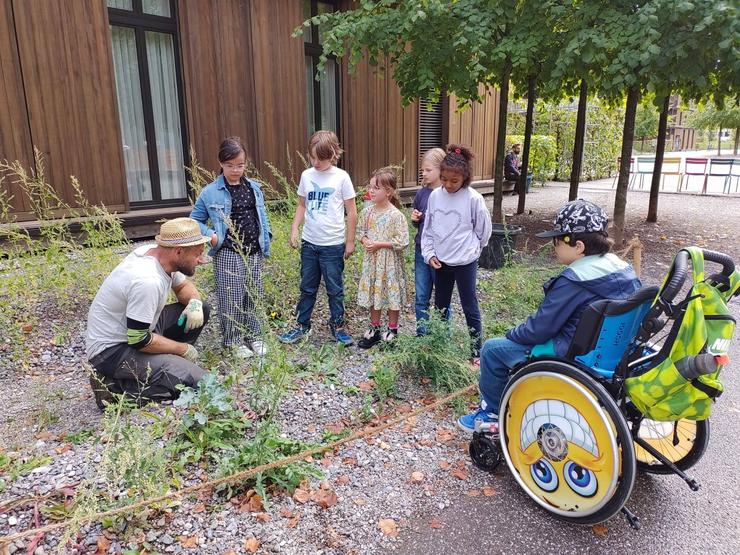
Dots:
pixel 259 348
pixel 243 352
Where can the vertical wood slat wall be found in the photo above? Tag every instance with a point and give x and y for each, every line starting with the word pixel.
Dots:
pixel 377 130
pixel 65 58
pixel 15 132
pixel 218 75
pixel 476 127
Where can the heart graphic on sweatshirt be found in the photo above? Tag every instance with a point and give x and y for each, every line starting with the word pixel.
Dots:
pixel 446 222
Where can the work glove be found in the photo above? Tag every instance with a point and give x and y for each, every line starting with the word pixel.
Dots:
pixel 192 316
pixel 191 354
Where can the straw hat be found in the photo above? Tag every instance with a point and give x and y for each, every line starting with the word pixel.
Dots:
pixel 180 232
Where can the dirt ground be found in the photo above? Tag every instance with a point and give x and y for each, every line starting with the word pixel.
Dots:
pixel 710 222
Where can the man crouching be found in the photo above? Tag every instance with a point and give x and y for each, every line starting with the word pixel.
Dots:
pixel 137 345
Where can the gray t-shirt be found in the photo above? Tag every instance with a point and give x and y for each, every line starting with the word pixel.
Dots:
pixel 137 288
pixel 457 227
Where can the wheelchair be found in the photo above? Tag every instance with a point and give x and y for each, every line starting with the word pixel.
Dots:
pixel 568 431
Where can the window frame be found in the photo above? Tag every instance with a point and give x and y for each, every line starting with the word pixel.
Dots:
pixel 313 50
pixel 141 23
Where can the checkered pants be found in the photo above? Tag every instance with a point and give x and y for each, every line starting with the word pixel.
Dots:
pixel 240 290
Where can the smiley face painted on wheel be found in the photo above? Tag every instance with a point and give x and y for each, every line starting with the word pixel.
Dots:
pixel 560 444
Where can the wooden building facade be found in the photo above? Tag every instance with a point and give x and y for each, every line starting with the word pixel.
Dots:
pixel 115 92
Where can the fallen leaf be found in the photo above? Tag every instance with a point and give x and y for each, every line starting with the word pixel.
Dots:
pixel 336 428
pixel 252 545
pixel 253 505
pixel 27 328
pixel 360 501
pixel 44 436
pixel 308 459
pixel 229 552
pixel 435 523
pixel 599 530
pixel 460 474
pixel 63 448
pixel 326 499
pixel 368 385
pixel 286 512
pixel 426 442
pixel 102 545
pixel 444 465
pixel 425 380
pixel 388 527
pixel 403 408
pixel 429 399
pixel 311 429
pixel 199 508
pixel 188 542
pixel 417 477
pixel 325 462
pixel 488 491
pixel 472 493
pixel 349 461
pixel 293 521
pixel 444 435
pixel 343 480
pixel 263 517
pixel 384 445
pixel 301 496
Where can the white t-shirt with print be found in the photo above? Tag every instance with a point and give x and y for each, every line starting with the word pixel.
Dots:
pixel 137 288
pixel 325 193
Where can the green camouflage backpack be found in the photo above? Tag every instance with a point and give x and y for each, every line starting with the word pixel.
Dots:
pixel 704 328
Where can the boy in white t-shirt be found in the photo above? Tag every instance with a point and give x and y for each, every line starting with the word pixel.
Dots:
pixel 325 193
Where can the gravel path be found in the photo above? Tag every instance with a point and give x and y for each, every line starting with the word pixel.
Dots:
pixel 408 477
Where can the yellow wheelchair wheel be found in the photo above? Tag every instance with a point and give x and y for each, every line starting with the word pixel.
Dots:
pixel 566 442
pixel 683 443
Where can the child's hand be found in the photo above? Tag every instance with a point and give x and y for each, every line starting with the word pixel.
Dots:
pixel 435 263
pixel 416 215
pixel 294 239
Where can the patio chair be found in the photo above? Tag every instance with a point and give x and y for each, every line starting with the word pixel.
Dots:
pixel 619 164
pixel 694 166
pixel 645 166
pixel 734 173
pixel 719 167
pixel 671 166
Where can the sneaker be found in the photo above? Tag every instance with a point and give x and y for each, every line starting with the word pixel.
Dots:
pixel 467 423
pixel 243 352
pixel 294 335
pixel 369 338
pixel 341 335
pixel 389 335
pixel 101 388
pixel 259 348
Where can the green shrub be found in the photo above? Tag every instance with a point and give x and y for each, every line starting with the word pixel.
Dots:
pixel 542 155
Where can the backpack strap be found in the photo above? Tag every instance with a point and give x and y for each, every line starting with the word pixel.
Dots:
pixel 711 392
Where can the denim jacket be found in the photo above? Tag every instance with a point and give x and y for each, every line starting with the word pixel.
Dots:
pixel 214 204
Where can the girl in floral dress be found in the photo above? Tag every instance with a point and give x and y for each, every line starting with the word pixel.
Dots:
pixel 383 231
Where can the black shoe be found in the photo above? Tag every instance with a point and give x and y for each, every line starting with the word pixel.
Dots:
pixel 103 389
pixel 370 338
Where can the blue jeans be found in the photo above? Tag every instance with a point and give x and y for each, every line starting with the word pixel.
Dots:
pixel 319 261
pixel 465 276
pixel 423 282
pixel 498 356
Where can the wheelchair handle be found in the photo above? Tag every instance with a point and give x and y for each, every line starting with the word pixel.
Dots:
pixel 677 276
pixel 728 265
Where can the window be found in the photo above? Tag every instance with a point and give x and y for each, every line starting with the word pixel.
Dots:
pixel 144 45
pixel 323 95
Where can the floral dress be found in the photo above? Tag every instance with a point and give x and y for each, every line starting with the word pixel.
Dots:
pixel 382 282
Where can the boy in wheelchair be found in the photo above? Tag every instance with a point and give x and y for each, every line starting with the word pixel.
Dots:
pixel 592 273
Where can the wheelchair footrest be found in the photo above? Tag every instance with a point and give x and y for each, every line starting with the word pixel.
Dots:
pixel 632 519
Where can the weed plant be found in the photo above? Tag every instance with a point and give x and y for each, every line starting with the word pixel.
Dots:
pixel 442 355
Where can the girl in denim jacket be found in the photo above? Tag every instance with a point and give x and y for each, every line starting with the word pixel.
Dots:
pixel 240 240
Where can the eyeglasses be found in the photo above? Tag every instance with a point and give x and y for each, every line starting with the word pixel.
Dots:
pixel 238 167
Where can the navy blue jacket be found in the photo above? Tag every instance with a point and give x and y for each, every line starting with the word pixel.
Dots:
pixel 588 279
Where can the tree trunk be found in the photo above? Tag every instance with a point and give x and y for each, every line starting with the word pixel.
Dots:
pixel 529 123
pixel 620 199
pixel 737 139
pixel 719 142
pixel 575 173
pixel 498 183
pixel 642 145
pixel 659 151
